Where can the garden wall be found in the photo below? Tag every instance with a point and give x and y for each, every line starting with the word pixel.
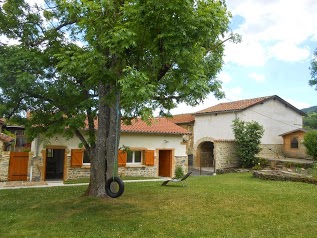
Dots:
pixel 225 153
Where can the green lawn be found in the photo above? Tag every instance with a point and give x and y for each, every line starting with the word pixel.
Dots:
pixel 230 205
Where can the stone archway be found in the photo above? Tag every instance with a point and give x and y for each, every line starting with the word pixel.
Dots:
pixel 206 154
pixel 204 160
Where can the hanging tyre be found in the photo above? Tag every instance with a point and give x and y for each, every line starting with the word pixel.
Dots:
pixel 114 187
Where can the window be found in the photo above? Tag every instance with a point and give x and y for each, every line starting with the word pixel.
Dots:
pixel 294 143
pixel 50 153
pixel 134 157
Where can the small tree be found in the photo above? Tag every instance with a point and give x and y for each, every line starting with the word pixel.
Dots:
pixel 310 142
pixel 248 137
pixel 178 172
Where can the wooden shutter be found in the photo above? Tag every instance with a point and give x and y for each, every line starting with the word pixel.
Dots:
pixel 149 157
pixel 122 158
pixel 77 157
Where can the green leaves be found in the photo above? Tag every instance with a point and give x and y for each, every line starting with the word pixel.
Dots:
pixel 310 142
pixel 248 137
pixel 156 54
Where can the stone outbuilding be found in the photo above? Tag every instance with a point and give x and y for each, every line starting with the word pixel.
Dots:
pixel 293 144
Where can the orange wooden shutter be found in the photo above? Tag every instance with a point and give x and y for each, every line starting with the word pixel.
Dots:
pixel 77 157
pixel 122 158
pixel 149 157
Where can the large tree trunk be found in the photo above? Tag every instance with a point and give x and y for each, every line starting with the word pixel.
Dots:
pixel 98 162
pixel 113 138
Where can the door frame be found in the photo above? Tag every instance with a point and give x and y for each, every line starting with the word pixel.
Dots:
pixel 171 164
pixel 54 147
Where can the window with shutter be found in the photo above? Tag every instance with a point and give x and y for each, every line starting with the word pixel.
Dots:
pixel 76 157
pixel 134 157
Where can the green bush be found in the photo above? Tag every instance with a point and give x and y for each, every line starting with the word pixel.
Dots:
pixel 248 137
pixel 260 163
pixel 310 142
pixel 178 172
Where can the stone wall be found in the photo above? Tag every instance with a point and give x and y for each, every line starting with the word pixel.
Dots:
pixel 4 165
pixel 36 163
pixel 225 152
pixel 138 171
pixel 181 161
pixel 76 172
pixel 151 171
pixel 271 151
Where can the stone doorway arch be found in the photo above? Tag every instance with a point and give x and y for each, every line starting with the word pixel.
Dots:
pixel 205 154
pixel 204 161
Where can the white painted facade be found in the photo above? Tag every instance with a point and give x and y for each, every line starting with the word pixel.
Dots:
pixel 154 142
pixel 132 140
pixel 275 116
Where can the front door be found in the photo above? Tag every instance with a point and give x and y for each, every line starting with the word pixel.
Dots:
pixel 54 168
pixel 165 163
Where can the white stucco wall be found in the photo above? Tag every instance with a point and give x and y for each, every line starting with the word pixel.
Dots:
pixel 273 115
pixel 146 141
pixel 154 141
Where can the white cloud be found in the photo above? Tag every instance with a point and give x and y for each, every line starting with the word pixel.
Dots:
pixel 272 29
pixel 234 94
pixel 246 53
pixel 297 104
pixel 257 77
pixel 5 40
pixel 289 52
pixel 224 77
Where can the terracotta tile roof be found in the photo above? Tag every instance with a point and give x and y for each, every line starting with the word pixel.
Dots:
pixel 244 104
pixel 182 118
pixel 6 138
pixel 234 106
pixel 158 126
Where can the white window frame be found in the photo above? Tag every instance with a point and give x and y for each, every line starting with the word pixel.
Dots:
pixel 133 157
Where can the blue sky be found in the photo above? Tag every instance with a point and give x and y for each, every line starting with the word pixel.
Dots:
pixel 278 41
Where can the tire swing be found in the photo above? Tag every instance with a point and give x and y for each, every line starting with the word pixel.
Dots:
pixel 115 186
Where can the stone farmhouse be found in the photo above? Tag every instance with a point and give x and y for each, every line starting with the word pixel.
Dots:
pixel 213 140
pixel 154 150
pixel 200 140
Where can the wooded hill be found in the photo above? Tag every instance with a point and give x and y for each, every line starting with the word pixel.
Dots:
pixel 310 109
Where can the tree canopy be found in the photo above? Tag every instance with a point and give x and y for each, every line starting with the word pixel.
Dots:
pixel 75 61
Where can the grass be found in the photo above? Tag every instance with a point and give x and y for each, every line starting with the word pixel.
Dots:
pixel 229 205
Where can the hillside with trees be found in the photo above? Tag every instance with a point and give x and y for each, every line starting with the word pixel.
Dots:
pixel 310 109
pixel 310 121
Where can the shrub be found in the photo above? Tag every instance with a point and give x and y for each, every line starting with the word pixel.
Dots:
pixel 310 142
pixel 178 172
pixel 260 163
pixel 248 137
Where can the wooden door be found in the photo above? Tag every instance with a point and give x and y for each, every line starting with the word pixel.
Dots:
pixel 165 163
pixel 18 166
